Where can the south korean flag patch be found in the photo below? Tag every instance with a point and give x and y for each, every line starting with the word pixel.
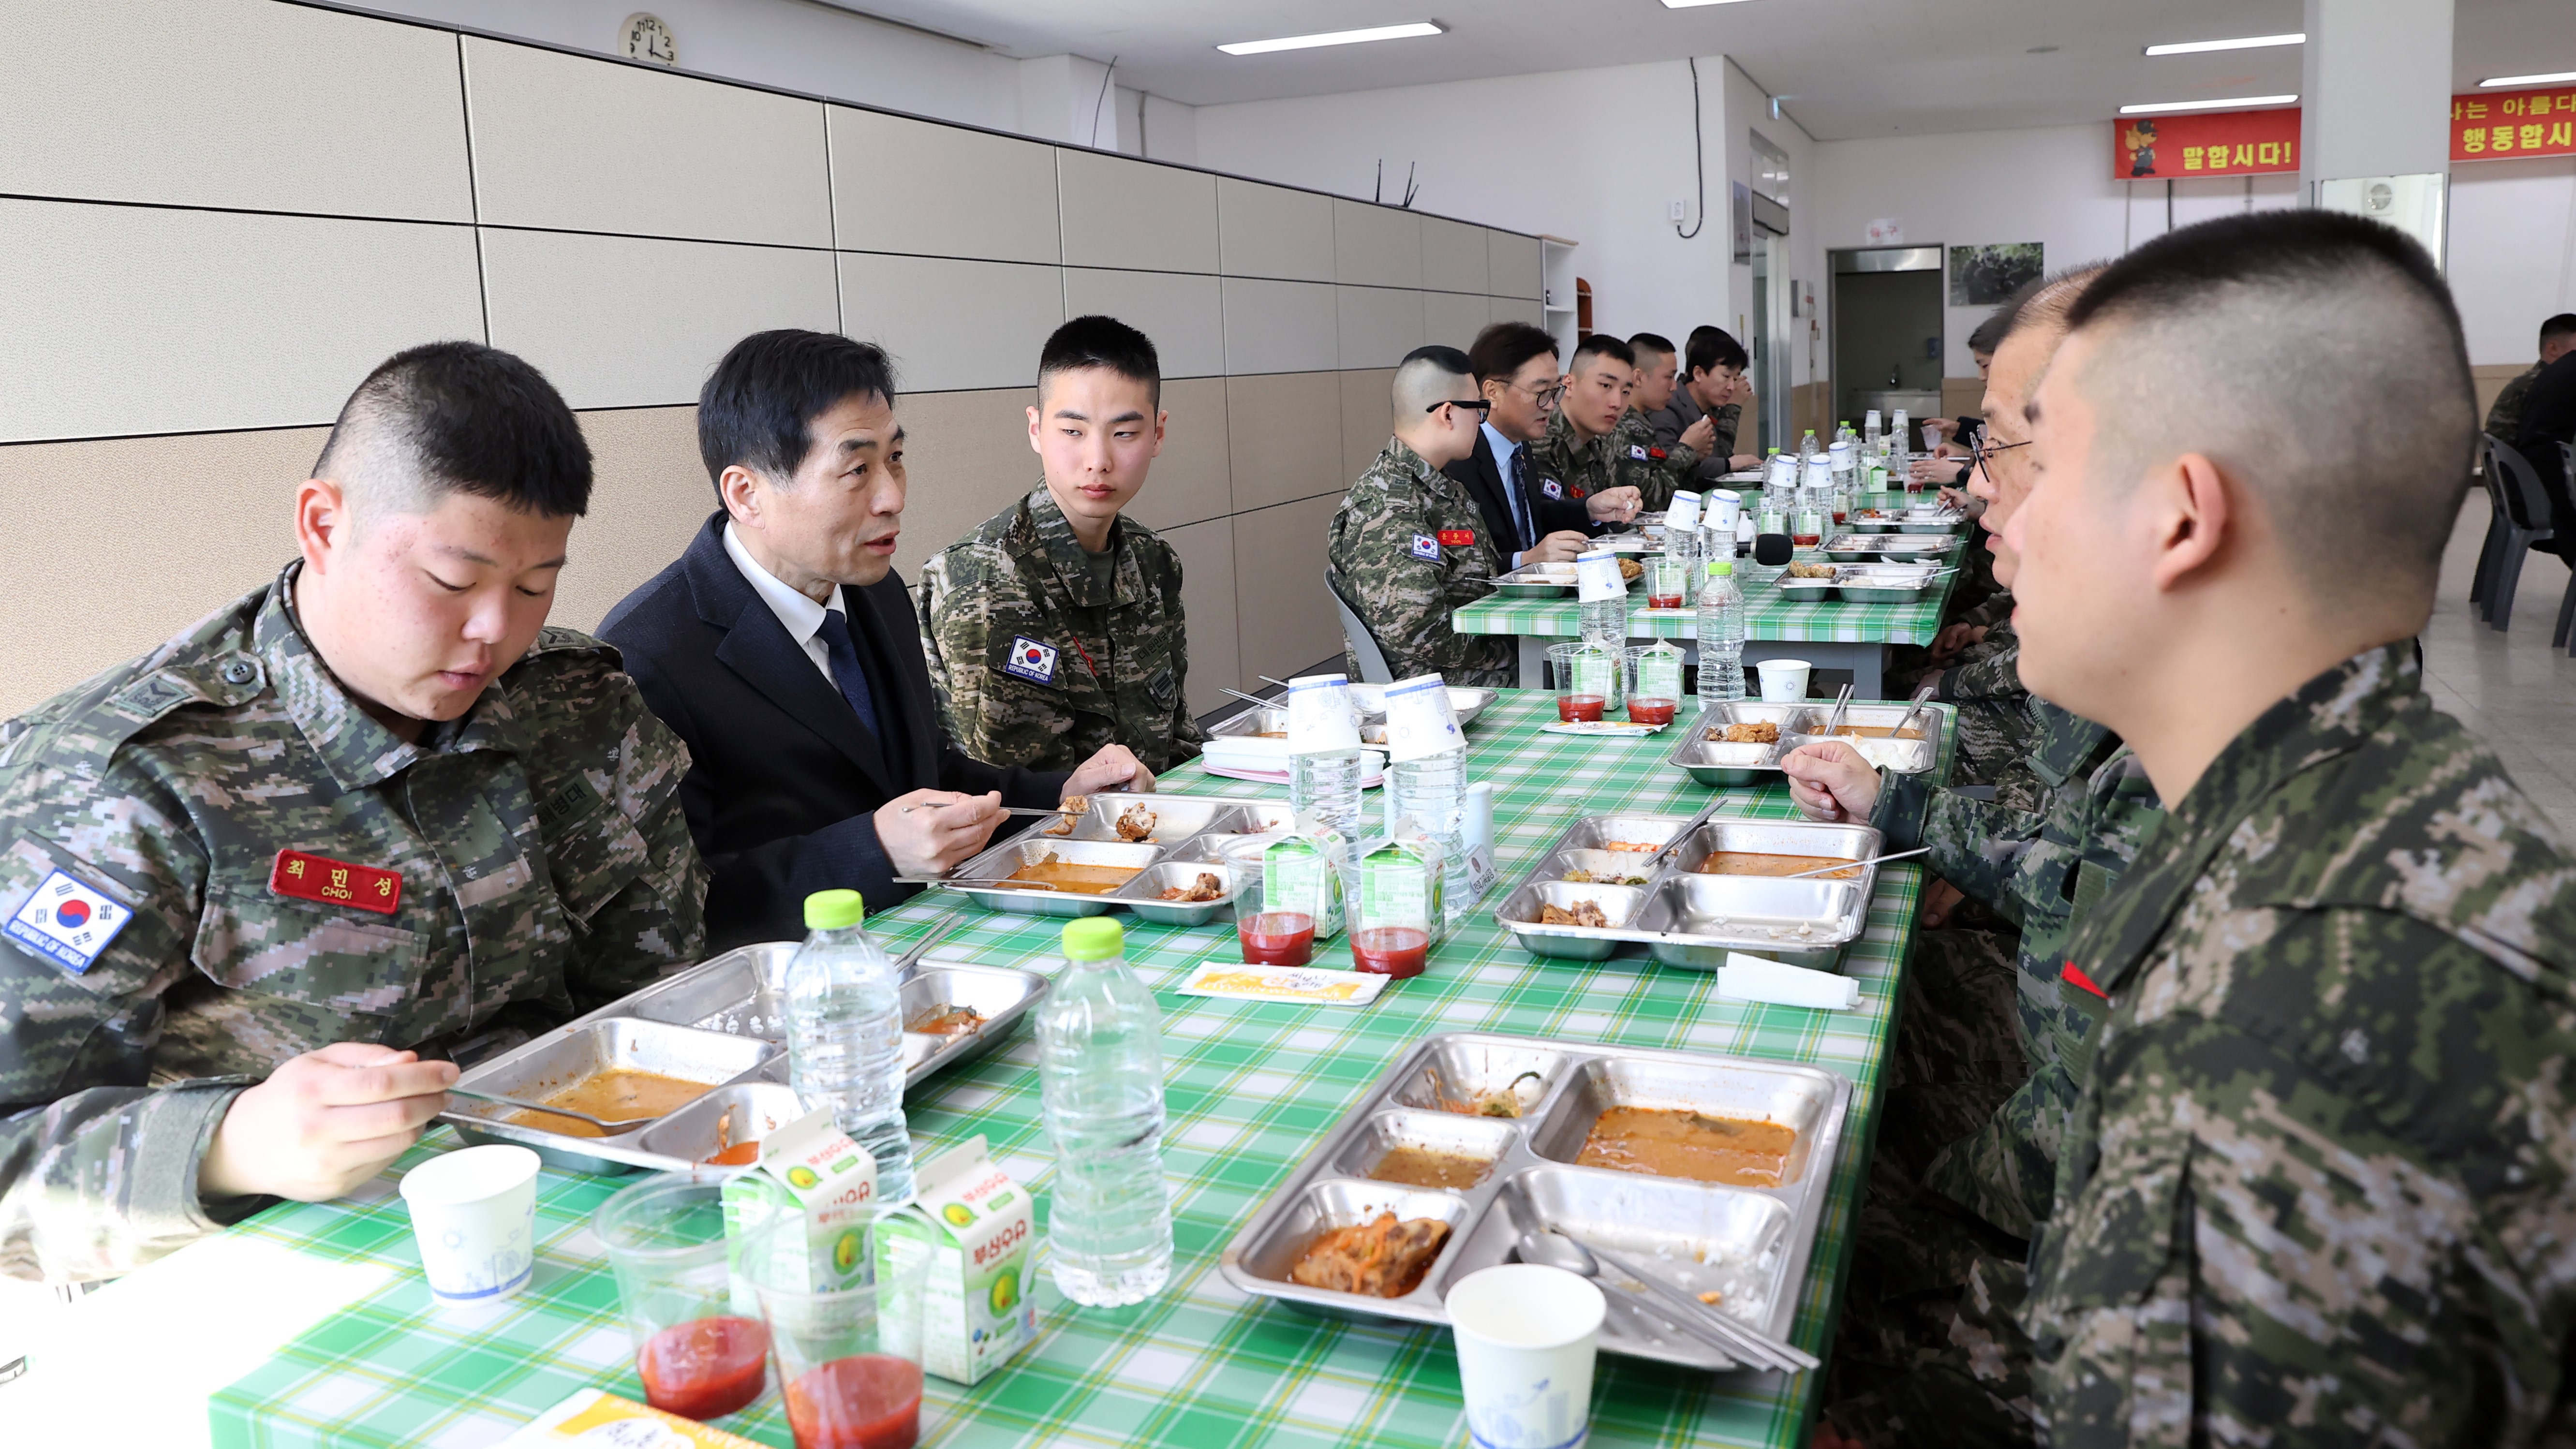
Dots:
pixel 1552 489
pixel 1637 451
pixel 1426 547
pixel 67 922
pixel 1030 660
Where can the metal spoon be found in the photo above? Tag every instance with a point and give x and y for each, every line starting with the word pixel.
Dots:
pixel 1685 833
pixel 1553 1250
pixel 1857 864
pixel 1742 1341
pixel 612 1126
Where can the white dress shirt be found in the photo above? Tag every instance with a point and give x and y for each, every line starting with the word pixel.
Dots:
pixel 1503 449
pixel 802 616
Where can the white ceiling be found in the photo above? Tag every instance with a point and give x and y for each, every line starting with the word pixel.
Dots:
pixel 1852 67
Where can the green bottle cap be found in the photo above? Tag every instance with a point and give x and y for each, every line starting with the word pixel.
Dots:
pixel 834 910
pixel 1093 938
pixel 1719 568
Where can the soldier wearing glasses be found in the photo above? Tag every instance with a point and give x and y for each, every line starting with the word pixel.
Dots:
pixel 1409 545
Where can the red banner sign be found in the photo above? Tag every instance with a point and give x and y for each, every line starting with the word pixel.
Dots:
pixel 2219 143
pixel 2499 126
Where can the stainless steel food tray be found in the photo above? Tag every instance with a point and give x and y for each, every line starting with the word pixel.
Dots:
pixel 1536 581
pixel 1186 828
pixel 1750 1244
pixel 1902 547
pixel 1683 918
pixel 1717 763
pixel 721 1021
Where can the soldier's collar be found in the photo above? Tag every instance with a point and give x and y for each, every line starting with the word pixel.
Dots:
pixel 1072 561
pixel 2325 717
pixel 356 749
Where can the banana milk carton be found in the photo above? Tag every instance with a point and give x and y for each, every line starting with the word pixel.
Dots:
pixel 974 1223
pixel 813 1171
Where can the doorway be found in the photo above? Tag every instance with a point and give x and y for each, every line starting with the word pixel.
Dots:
pixel 1887 341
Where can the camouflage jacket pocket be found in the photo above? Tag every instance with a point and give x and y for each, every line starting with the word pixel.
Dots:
pixel 2110 1309
pixel 313 954
pixel 592 857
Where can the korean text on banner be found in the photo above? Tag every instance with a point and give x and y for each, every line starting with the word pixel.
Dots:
pixel 2222 143
pixel 2502 126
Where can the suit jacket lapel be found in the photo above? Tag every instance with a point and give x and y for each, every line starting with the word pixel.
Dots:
pixel 758 649
pixel 1483 480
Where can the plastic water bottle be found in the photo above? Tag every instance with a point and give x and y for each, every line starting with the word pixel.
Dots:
pixel 1431 792
pixel 1326 783
pixel 1605 620
pixel 1721 635
pixel 1872 441
pixel 1100 1076
pixel 845 1034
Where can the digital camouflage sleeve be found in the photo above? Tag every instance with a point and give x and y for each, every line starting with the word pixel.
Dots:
pixel 260 869
pixel 1656 470
pixel 1036 665
pixel 1407 547
pixel 2321 1188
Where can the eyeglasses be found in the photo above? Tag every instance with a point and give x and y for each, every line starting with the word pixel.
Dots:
pixel 1481 405
pixel 1545 395
pixel 1985 448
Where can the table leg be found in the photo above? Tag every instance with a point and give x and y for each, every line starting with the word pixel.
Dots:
pixel 1534 660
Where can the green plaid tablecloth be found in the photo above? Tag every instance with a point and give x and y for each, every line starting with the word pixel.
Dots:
pixel 1250 1088
pixel 1768 614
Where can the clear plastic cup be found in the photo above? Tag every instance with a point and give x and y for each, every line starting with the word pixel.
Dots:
pixel 1654 682
pixel 699 1357
pixel 1270 938
pixel 1587 680
pixel 849 1360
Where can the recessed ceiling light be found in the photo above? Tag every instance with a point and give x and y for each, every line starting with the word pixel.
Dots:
pixel 2233 102
pixel 2528 80
pixel 1333 37
pixel 2246 42
pixel 1687 4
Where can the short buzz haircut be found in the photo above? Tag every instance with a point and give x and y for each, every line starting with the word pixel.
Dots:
pixel 1989 334
pixel 1652 344
pixel 2259 342
pixel 457 417
pixel 1506 347
pixel 1602 344
pixel 758 408
pixel 1712 348
pixel 2562 325
pixel 1427 377
pixel 2043 302
pixel 1097 341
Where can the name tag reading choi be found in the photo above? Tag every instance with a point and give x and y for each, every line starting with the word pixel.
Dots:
pixel 308 877
pixel 68 922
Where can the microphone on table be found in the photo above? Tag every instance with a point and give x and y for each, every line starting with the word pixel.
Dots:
pixel 1771 550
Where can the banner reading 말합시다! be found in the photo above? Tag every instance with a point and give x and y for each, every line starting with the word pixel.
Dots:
pixel 2218 143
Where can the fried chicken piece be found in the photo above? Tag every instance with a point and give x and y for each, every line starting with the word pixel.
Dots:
pixel 1630 569
pixel 1758 732
pixel 946 1020
pixel 1585 913
pixel 1074 808
pixel 1811 570
pixel 1136 823
pixel 1384 1259
pixel 1206 888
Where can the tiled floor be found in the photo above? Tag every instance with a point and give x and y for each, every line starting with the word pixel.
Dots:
pixel 2512 687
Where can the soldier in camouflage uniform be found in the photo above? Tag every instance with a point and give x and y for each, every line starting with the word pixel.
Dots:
pixel 218 858
pixel 1114 620
pixel 2504 415
pixel 1654 470
pixel 1580 449
pixel 1407 547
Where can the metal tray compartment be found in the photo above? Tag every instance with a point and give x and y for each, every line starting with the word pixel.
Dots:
pixel 1343 1203
pixel 539 1069
pixel 981 877
pixel 1619 905
pixel 1750 1244
pixel 1716 763
pixel 1609 867
pixel 1141 895
pixel 1001 994
pixel 737 992
pixel 1536 581
pixel 1749 1091
pixel 1176 818
pixel 1778 837
pixel 689 1135
pixel 1486 1137
pixel 1700 1237
pixel 1597 832
pixel 1254 723
pixel 1697 920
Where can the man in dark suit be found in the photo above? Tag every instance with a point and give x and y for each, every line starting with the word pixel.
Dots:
pixel 783 649
pixel 1534 516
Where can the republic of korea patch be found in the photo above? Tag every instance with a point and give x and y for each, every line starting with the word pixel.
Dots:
pixel 1552 488
pixel 67 922
pixel 1425 546
pixel 1637 451
pixel 1030 660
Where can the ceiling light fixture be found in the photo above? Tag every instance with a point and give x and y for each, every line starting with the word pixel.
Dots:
pixel 2527 80
pixel 2245 42
pixel 1687 4
pixel 2231 103
pixel 1334 37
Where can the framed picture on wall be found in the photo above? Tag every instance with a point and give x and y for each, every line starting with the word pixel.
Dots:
pixel 1986 276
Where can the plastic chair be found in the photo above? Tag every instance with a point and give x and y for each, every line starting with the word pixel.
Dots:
pixel 1363 645
pixel 2527 522
pixel 2482 582
pixel 2565 633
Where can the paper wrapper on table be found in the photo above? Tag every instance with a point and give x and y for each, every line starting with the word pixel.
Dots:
pixel 604 1421
pixel 973 1223
pixel 810 1171
pixel 1420 721
pixel 1754 978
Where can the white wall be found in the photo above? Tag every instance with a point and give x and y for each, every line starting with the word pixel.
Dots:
pixel 1747 110
pixel 2513 251
pixel 1592 155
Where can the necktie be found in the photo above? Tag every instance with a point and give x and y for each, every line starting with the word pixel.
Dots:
pixel 1521 518
pixel 846 671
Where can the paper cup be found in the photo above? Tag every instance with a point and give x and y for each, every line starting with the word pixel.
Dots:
pixel 1526 1339
pixel 1319 714
pixel 474 1212
pixel 1784 681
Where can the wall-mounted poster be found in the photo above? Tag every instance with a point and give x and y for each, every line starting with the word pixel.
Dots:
pixel 2214 143
pixel 1987 276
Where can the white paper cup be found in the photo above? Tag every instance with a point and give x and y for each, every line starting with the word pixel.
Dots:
pixel 474 1213
pixel 1526 1339
pixel 1784 681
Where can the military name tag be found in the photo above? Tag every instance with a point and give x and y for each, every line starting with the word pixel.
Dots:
pixel 1457 537
pixel 68 922
pixel 309 877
